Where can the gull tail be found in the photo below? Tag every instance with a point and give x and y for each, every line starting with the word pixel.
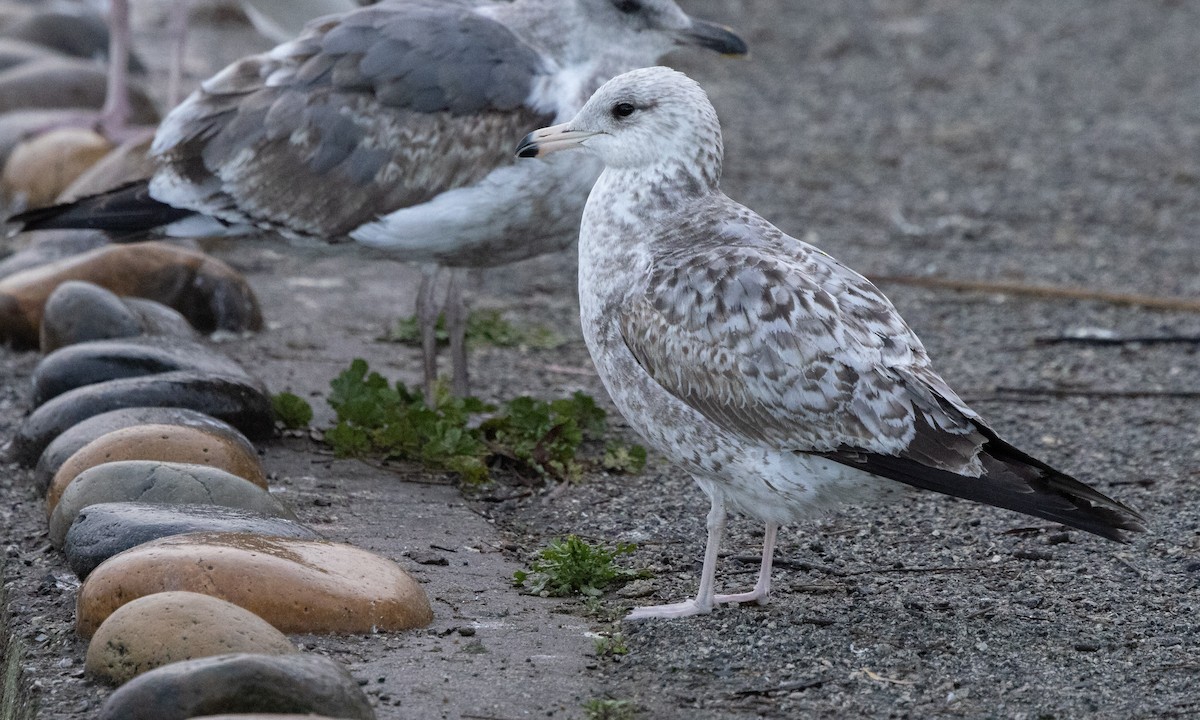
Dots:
pixel 125 212
pixel 1012 480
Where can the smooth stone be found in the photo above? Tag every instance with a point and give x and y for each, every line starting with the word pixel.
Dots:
pixel 209 293
pixel 49 246
pixel 79 311
pixel 41 168
pixel 15 52
pixel 128 162
pixel 236 400
pixel 158 482
pixel 169 627
pixel 262 716
pixel 158 319
pixel 97 361
pixel 106 529
pixel 80 34
pixel 62 82
pixel 82 433
pixel 164 443
pixel 17 126
pixel 301 683
pixel 299 586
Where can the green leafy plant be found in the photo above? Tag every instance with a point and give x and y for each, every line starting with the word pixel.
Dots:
pixel 462 435
pixel 606 709
pixel 487 326
pixel 292 411
pixel 573 567
pixel 620 458
pixel 611 645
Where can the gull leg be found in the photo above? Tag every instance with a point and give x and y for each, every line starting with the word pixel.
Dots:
pixel 456 326
pixel 427 314
pixel 763 586
pixel 178 29
pixel 114 116
pixel 703 602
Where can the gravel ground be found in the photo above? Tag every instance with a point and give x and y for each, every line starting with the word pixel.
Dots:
pixel 1049 143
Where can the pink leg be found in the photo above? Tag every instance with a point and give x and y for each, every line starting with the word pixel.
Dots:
pixel 114 117
pixel 178 28
pixel 703 602
pixel 456 327
pixel 763 586
pixel 427 316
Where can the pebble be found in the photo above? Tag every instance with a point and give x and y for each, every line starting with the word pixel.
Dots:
pixel 97 361
pixel 82 433
pixel 166 443
pixel 40 168
pixel 16 126
pixel 67 82
pixel 80 311
pixel 47 246
pixel 302 683
pixel 106 529
pixel 210 294
pixel 168 627
pixel 161 482
pixel 299 586
pixel 236 400
pixel 82 33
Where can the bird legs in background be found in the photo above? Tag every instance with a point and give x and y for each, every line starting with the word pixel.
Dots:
pixel 177 29
pixel 706 598
pixel 455 310
pixel 114 116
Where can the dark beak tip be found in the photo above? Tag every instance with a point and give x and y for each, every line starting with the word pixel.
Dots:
pixel 527 150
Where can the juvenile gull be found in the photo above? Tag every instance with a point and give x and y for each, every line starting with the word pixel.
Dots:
pixel 386 125
pixel 782 380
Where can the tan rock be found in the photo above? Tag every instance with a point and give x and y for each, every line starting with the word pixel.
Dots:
pixel 168 627
pixel 299 586
pixel 128 162
pixel 169 443
pixel 40 168
pixel 207 291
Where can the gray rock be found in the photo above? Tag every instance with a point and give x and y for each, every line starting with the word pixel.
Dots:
pixel 79 311
pixel 236 400
pixel 105 529
pixel 14 52
pixel 97 361
pixel 66 82
pixel 80 34
pixel 151 481
pixel 240 683
pixel 80 434
pixel 158 319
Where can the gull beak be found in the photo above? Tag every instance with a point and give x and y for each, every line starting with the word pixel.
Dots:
pixel 714 37
pixel 540 143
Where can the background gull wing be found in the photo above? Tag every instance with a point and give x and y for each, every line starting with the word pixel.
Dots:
pixel 772 339
pixel 378 109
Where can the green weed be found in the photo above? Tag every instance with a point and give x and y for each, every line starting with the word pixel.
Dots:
pixel 375 417
pixel 487 326
pixel 292 411
pixel 605 709
pixel 611 645
pixel 573 567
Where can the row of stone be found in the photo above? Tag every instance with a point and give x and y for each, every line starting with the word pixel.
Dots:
pixel 163 511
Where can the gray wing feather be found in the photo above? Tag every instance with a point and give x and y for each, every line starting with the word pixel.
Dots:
pixel 350 108
pixel 775 340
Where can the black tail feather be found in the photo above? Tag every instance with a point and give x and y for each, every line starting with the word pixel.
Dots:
pixel 127 210
pixel 1011 480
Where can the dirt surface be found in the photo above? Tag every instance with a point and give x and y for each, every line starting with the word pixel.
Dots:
pixel 1050 143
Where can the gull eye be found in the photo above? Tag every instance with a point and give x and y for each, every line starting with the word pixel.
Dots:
pixel 622 110
pixel 627 6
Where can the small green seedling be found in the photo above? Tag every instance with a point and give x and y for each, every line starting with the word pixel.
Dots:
pixel 625 459
pixel 573 567
pixel 291 411
pixel 605 709
pixel 611 645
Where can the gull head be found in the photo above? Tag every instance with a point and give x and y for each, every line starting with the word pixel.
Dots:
pixel 630 32
pixel 652 117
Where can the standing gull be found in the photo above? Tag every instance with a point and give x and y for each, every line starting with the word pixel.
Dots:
pixel 386 125
pixel 782 380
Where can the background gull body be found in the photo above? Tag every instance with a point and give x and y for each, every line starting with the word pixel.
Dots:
pixel 782 380
pixel 391 126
